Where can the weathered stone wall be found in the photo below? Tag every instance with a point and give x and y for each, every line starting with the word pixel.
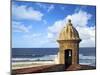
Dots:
pixel 74 46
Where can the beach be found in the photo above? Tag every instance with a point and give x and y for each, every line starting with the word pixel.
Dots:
pixel 27 64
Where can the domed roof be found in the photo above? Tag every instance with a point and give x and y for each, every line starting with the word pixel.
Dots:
pixel 69 33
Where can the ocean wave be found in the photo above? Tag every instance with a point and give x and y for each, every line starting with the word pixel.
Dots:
pixel 43 58
pixel 81 56
pixel 85 60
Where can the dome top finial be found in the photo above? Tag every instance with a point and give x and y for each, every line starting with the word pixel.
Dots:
pixel 69 32
pixel 69 20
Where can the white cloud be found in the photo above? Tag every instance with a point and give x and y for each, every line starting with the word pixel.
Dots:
pixel 20 27
pixel 24 12
pixel 87 34
pixel 51 7
pixel 36 40
pixel 57 26
pixel 50 35
pixel 80 21
pixel 79 18
pixel 54 30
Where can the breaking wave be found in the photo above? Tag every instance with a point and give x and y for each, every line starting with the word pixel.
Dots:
pixel 85 60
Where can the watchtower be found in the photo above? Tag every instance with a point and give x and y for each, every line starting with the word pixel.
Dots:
pixel 68 45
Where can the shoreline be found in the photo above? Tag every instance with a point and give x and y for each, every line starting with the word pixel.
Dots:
pixel 20 65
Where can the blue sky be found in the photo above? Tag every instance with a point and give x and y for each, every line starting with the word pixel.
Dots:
pixel 37 25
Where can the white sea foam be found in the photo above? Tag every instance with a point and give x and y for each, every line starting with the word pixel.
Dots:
pixel 47 57
pixel 81 56
pixel 23 59
pixel 85 60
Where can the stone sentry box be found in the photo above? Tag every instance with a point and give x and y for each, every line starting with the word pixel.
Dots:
pixel 68 45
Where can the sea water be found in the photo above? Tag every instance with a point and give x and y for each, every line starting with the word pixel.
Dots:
pixel 87 56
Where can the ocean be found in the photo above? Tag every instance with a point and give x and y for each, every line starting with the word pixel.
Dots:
pixel 87 56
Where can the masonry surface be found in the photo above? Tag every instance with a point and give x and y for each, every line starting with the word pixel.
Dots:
pixel 68 45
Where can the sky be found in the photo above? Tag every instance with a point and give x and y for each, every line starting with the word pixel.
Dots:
pixel 37 24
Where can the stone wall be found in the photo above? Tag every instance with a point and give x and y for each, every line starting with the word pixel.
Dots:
pixel 74 46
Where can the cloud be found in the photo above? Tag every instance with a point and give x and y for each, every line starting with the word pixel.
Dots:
pixel 20 27
pixel 54 30
pixel 80 22
pixel 80 18
pixel 23 12
pixel 87 34
pixel 38 40
pixel 58 25
pixel 35 40
pixel 28 40
pixel 51 7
